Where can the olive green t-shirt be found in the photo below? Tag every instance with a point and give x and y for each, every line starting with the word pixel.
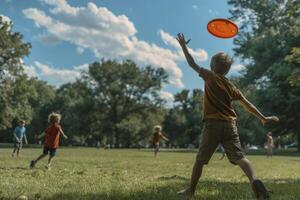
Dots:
pixel 219 92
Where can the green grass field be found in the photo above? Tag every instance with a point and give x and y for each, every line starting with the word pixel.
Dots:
pixel 85 173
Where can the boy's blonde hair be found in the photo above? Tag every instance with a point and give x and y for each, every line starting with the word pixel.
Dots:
pixel 22 121
pixel 157 127
pixel 221 63
pixel 54 118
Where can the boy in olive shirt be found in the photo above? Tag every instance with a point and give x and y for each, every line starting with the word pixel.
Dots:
pixel 220 120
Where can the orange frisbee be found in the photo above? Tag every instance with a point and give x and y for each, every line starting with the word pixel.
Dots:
pixel 222 28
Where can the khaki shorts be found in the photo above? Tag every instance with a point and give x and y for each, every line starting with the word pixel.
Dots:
pixel 217 132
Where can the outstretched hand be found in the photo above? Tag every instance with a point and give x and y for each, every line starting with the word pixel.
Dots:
pixel 180 38
pixel 270 119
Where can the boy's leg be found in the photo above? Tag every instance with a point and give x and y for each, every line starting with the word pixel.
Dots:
pixel 40 157
pixel 18 149
pixel 14 151
pixel 156 146
pixel 43 155
pixel 245 165
pixel 208 144
pixel 233 149
pixel 51 156
pixel 196 174
pixel 49 162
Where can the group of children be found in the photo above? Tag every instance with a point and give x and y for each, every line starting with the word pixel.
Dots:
pixel 219 120
pixel 51 139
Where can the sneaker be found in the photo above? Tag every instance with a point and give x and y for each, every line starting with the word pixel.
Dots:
pixel 32 164
pixel 48 167
pixel 260 190
pixel 186 192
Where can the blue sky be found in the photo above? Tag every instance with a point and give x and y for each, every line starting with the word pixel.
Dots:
pixel 68 35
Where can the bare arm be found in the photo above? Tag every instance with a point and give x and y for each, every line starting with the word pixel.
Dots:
pixel 162 136
pixel 17 139
pixel 180 38
pixel 25 139
pixel 248 106
pixel 42 135
pixel 63 134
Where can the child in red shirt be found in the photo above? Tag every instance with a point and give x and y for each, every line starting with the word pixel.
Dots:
pixel 51 143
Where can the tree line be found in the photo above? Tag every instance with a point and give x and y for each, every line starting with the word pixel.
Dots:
pixel 118 103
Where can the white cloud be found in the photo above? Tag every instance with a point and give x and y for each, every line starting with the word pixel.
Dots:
pixel 83 67
pixel 5 18
pixel 167 96
pixel 79 50
pixel 198 54
pixel 108 36
pixel 30 71
pixel 237 67
pixel 52 75
pixel 48 39
pixel 195 7
pixel 213 12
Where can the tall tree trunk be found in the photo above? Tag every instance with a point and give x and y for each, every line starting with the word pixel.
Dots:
pixel 117 137
pixel 298 139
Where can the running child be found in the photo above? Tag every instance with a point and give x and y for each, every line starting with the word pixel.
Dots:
pixel 19 135
pixel 51 142
pixel 220 120
pixel 157 135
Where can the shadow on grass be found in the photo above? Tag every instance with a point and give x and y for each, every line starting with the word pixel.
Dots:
pixel 14 168
pixel 207 190
pixel 260 152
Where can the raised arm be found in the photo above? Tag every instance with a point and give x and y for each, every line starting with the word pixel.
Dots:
pixel 201 71
pixel 180 38
pixel 248 106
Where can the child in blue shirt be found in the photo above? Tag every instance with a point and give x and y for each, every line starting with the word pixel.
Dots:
pixel 19 135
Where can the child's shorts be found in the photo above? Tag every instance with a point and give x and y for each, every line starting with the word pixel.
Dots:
pixel 50 151
pixel 18 145
pixel 217 132
pixel 156 146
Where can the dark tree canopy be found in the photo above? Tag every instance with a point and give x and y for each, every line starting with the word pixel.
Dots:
pixel 269 42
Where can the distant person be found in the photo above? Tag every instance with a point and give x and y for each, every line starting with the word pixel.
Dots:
pixel 98 145
pixel 19 135
pixel 270 144
pixel 157 135
pixel 51 142
pixel 220 119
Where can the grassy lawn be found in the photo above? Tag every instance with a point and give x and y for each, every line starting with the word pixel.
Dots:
pixel 85 173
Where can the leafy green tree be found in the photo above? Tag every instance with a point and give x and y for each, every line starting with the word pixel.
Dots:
pixel 74 101
pixel 12 50
pixel 122 90
pixel 13 100
pixel 40 101
pixel 184 121
pixel 267 42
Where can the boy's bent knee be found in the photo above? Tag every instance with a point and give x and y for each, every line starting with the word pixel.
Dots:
pixel 242 161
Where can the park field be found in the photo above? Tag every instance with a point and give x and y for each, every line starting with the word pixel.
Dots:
pixel 91 174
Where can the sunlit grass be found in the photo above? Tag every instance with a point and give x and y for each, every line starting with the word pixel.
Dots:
pixel 85 173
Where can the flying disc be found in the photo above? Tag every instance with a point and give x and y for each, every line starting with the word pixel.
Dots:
pixel 222 28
